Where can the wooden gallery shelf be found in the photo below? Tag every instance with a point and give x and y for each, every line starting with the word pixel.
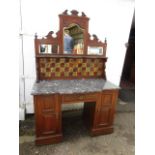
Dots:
pixel 68 56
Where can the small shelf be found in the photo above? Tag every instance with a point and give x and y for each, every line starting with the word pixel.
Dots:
pixel 68 56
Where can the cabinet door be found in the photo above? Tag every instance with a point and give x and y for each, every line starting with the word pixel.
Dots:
pixel 47 113
pixel 105 114
pixel 104 117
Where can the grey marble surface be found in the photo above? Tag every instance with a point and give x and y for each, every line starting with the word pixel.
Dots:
pixel 72 86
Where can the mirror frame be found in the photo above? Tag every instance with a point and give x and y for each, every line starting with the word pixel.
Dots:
pixel 81 21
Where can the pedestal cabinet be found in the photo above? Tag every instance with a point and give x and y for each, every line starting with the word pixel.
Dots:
pixel 105 111
pixel 48 118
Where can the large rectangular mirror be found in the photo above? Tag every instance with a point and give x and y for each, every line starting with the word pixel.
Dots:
pixel 73 39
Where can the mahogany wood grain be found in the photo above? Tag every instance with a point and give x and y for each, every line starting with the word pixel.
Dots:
pixel 98 113
pixel 47 118
pixel 99 107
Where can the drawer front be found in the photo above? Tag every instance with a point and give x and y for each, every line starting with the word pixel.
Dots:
pixel 46 103
pixel 92 96
pixel 109 97
pixel 79 97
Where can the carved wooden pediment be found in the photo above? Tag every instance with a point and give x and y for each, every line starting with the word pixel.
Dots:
pixel 74 13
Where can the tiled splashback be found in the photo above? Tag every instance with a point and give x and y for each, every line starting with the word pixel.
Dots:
pixel 63 68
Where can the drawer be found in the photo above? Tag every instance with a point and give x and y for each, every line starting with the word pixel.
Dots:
pixel 109 97
pixel 46 103
pixel 91 96
pixel 73 97
pixel 79 97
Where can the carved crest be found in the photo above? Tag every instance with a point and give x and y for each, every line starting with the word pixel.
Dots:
pixel 49 35
pixel 83 14
pixel 74 12
pixel 65 12
pixel 95 37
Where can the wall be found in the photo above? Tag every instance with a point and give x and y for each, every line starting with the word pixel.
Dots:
pixel 108 18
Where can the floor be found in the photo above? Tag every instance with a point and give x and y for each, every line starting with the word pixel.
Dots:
pixel 77 140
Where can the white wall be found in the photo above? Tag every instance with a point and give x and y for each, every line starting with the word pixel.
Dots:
pixel 108 18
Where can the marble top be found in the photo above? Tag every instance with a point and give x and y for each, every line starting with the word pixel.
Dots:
pixel 71 86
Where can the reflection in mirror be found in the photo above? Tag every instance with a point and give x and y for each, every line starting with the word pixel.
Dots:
pixel 93 50
pixel 48 49
pixel 73 39
pixel 45 48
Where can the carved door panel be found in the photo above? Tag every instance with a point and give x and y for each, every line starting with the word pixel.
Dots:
pixel 104 117
pixel 47 113
pixel 105 114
